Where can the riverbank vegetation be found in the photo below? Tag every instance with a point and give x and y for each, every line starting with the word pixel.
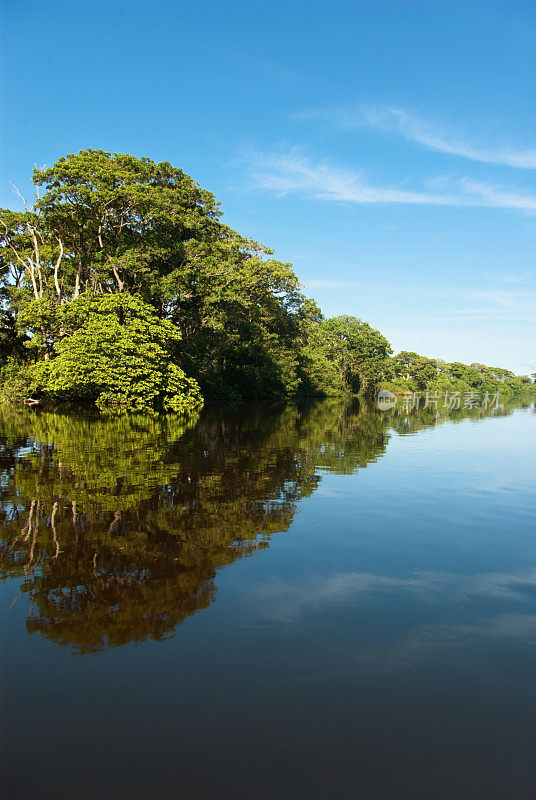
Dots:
pixel 120 285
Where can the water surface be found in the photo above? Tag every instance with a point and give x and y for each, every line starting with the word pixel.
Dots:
pixel 269 602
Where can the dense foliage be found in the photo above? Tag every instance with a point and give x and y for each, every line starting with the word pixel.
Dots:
pixel 121 285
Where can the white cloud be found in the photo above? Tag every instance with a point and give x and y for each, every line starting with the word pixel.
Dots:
pixel 499 196
pixel 415 129
pixel 294 173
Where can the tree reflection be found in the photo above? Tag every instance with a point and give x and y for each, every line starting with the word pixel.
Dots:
pixel 117 526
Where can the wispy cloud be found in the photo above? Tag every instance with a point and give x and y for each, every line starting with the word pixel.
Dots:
pixel 285 601
pixel 494 607
pixel 494 304
pixel 413 128
pixel 294 173
pixel 515 278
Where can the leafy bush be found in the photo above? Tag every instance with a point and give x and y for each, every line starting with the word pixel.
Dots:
pixel 119 354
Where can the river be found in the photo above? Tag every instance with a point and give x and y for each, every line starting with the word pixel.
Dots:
pixel 311 601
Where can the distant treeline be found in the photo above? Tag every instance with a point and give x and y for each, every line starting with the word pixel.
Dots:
pixel 120 285
pixel 412 372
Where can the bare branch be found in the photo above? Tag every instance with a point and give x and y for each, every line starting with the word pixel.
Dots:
pixel 77 281
pixel 56 268
pixel 18 193
pixel 31 270
pixel 120 283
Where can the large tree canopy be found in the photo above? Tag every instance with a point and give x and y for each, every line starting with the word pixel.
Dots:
pixel 125 222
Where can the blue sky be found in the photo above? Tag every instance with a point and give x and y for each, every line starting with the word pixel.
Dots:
pixel 387 149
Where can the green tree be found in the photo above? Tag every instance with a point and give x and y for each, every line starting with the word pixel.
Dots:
pixel 125 222
pixel 415 368
pixel 359 353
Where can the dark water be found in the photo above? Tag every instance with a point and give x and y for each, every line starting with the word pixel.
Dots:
pixel 314 602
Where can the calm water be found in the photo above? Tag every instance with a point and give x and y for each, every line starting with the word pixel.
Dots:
pixel 316 602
